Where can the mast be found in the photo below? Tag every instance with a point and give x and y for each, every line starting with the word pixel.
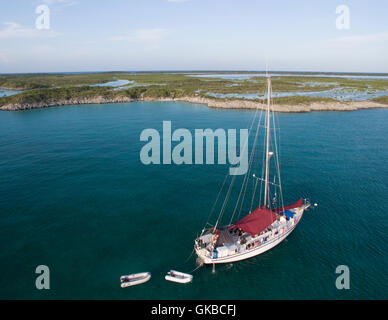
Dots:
pixel 267 156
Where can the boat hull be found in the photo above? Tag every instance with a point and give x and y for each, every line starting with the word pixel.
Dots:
pixel 178 280
pixel 253 252
pixel 135 279
pixel 179 277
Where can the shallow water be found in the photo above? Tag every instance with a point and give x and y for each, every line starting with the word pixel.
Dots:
pixel 116 83
pixel 6 92
pixel 75 197
pixel 243 76
pixel 340 94
pixel 134 84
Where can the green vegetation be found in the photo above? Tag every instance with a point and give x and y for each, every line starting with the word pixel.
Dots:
pixel 383 100
pixel 50 94
pixel 293 100
pixel 55 87
pixel 36 81
pixel 84 92
pixel 296 100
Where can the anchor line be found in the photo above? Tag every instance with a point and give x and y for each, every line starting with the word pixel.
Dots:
pixel 195 269
pixel 189 256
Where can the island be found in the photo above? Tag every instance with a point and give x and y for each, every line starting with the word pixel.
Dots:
pixel 292 92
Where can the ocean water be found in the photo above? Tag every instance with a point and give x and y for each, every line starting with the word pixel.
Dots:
pixel 74 196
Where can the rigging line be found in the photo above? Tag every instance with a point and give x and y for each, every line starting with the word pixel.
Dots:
pixel 225 202
pixel 281 204
pixel 277 146
pixel 255 188
pixel 255 184
pixel 242 200
pixel 238 199
pixel 268 143
pixel 253 197
pixel 278 165
pixel 190 255
pixel 263 166
pixel 215 203
pixel 252 158
pixel 279 152
pixel 269 198
pixel 247 175
pixel 244 186
pixel 196 268
pixel 222 211
pixel 271 161
pixel 273 148
pixel 226 176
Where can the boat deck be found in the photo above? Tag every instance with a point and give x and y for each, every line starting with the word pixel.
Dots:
pixel 225 238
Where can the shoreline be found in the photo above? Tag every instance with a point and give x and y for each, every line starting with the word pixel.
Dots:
pixel 211 103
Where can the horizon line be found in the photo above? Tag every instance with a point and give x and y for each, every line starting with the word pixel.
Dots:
pixel 196 71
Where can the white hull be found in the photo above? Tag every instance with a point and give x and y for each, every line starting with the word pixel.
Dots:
pixel 134 279
pixel 178 277
pixel 253 252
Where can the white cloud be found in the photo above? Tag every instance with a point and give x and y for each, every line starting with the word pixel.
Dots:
pixel 61 2
pixel 15 30
pixel 152 36
pixel 3 58
pixel 155 34
pixel 358 40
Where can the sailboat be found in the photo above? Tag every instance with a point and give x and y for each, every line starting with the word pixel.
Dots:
pixel 262 228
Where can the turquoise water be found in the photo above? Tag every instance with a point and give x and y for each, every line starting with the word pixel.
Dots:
pixel 116 83
pixel 6 92
pixel 74 196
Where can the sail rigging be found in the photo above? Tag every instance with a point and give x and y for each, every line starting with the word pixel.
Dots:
pixel 267 153
pixel 270 222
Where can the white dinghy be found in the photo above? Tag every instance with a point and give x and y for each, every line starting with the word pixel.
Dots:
pixel 179 277
pixel 134 279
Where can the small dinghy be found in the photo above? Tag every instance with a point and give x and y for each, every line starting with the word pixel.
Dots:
pixel 134 279
pixel 180 277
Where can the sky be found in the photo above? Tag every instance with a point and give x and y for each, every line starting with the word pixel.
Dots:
pixel 134 35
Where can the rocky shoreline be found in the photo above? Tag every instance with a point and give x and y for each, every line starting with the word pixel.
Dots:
pixel 212 103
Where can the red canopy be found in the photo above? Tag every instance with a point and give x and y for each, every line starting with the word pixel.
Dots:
pixel 256 221
pixel 297 204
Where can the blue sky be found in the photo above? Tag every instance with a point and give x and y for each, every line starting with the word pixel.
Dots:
pixel 94 35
